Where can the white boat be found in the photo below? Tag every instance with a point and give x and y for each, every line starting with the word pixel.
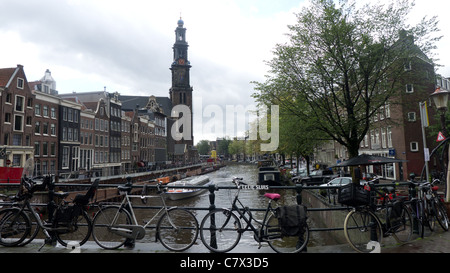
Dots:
pixel 182 193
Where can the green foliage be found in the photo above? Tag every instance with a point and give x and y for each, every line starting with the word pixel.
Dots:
pixel 341 64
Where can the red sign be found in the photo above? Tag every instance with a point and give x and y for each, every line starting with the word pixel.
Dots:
pixel 440 137
pixel 10 174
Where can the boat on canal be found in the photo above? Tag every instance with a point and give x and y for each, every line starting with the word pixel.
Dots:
pixel 183 193
pixel 268 173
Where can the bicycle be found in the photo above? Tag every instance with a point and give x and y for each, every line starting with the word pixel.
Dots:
pixel 437 204
pixel 176 229
pixel 427 207
pixel 221 229
pixel 68 221
pixel 364 229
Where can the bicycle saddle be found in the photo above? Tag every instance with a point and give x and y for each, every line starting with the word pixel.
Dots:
pixel 273 196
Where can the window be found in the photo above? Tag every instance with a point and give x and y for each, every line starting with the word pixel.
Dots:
pixel 53 112
pixel 45 111
pixel 411 116
pixel 20 83
pixel 383 138
pixel 37 110
pixel 19 104
pixel 70 134
pixel 17 140
pixel 53 129
pixel 45 148
pixel 65 157
pixel 414 146
pixel 409 88
pixel 45 128
pixel 389 137
pixel 8 98
pixel 29 120
pixel 30 102
pixel 37 148
pixel 27 140
pixel 37 127
pixel 407 66
pixel 70 118
pixel 18 123
pixel 53 149
pixel 8 118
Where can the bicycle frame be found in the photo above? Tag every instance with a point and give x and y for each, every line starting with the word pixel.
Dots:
pixel 138 231
pixel 259 233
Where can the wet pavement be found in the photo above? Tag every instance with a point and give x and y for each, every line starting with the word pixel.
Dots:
pixel 436 242
pixel 244 258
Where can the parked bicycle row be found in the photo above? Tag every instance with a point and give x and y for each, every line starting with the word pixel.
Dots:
pixel 373 214
pixel 115 225
pixel 378 213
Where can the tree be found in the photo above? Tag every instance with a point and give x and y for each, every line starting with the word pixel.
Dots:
pixel 236 147
pixel 203 147
pixel 342 63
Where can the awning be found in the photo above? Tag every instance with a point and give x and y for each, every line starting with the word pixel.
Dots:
pixel 365 159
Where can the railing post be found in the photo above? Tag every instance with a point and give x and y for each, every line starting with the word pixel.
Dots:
pixel 212 196
pixel 212 206
pixel 299 189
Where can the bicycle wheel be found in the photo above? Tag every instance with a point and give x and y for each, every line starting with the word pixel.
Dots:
pixel 440 213
pixel 76 232
pixel 401 226
pixel 15 226
pixel 284 244
pixel 220 230
pixel 177 230
pixel 103 223
pixel 34 229
pixel 428 216
pixel 420 218
pixel 363 230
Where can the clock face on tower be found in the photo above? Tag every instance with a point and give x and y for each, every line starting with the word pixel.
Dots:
pixel 181 61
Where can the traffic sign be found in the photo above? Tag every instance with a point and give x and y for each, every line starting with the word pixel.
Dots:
pixel 440 137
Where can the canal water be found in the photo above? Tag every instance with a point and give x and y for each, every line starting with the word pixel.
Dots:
pixel 251 198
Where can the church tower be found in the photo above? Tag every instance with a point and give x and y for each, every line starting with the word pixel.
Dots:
pixel 181 90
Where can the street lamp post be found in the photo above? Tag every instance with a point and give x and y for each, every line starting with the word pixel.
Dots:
pixel 440 98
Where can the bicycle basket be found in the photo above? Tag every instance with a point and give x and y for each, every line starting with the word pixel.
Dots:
pixel 292 220
pixel 353 195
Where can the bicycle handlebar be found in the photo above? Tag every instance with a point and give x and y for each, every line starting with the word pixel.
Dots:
pixel 238 181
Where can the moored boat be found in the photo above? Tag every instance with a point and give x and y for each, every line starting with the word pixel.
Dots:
pixel 183 193
pixel 268 173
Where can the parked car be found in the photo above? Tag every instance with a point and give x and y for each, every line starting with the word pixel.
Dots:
pixel 316 177
pixel 339 181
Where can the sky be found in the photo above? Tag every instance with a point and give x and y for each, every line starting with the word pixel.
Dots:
pixel 126 46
